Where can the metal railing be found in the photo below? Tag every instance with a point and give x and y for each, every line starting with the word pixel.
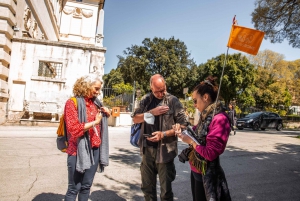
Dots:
pixel 125 99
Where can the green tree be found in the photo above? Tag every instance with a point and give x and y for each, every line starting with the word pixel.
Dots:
pixel 294 82
pixel 113 77
pixel 273 80
pixel 168 57
pixel 193 78
pixel 238 79
pixel 266 58
pixel 279 20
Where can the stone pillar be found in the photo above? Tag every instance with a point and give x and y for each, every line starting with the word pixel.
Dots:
pixel 99 35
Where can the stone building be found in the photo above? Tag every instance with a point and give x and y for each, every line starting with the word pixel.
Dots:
pixel 45 45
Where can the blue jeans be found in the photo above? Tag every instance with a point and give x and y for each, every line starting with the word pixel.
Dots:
pixel 80 183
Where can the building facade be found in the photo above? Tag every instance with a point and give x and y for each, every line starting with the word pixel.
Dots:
pixel 45 45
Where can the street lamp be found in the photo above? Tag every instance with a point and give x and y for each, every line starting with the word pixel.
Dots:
pixel 138 93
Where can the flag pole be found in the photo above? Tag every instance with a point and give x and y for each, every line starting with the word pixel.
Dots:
pixel 234 22
pixel 221 78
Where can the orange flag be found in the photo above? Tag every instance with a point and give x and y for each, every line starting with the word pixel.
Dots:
pixel 245 39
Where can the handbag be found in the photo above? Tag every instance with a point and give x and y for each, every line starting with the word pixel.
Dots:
pixel 135 134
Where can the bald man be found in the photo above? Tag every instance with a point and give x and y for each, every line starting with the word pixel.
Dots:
pixel 157 112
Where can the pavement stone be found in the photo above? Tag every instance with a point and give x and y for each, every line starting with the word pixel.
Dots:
pixel 31 167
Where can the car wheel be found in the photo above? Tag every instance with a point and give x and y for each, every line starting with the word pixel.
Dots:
pixel 255 126
pixel 240 128
pixel 262 129
pixel 279 127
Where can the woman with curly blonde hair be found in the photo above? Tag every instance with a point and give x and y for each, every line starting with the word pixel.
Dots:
pixel 87 133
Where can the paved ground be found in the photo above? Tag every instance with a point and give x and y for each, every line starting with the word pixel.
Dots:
pixel 259 166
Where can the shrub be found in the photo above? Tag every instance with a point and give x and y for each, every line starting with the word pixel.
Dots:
pixel 282 112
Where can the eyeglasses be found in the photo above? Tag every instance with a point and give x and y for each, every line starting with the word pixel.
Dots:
pixel 159 92
pixel 195 101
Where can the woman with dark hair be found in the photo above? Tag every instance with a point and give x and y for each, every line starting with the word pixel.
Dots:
pixel 208 180
pixel 86 125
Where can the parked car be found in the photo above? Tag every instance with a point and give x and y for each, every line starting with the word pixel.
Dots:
pixel 260 120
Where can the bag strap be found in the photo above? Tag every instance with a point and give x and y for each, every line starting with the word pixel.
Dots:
pixel 139 125
pixel 74 100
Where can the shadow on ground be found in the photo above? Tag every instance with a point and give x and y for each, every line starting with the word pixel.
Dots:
pixel 105 195
pixel 48 197
pixel 262 175
pixel 128 157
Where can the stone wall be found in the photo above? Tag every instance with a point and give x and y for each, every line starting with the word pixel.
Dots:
pixel 34 93
pixel 37 36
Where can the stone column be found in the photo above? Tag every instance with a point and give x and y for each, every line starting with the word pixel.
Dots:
pixel 99 35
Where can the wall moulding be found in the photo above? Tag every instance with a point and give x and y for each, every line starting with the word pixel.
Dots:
pixel 19 82
pixel 48 79
pixel 60 44
pixel 78 12
pixel 27 19
pixel 87 13
pixel 68 10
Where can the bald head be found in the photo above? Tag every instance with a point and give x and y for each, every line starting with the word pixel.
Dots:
pixel 156 78
pixel 158 86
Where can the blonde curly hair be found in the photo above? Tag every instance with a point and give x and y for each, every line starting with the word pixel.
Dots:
pixel 83 85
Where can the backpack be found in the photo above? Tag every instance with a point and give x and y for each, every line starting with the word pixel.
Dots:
pixel 62 138
pixel 135 131
pixel 135 134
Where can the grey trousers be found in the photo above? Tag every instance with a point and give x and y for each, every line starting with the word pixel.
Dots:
pixel 149 170
pixel 80 183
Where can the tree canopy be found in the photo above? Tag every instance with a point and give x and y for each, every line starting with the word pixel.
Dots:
pixel 168 57
pixel 113 77
pixel 279 20
pixel 264 81
pixel 238 77
pixel 274 80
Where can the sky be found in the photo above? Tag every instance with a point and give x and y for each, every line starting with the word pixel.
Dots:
pixel 203 25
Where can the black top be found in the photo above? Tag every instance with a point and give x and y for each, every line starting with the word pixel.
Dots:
pixel 149 129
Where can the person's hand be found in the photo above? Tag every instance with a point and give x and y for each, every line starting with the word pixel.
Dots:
pixel 156 136
pixel 185 138
pixel 98 117
pixel 106 111
pixel 159 110
pixel 177 129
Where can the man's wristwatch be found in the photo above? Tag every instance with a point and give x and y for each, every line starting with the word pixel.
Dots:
pixel 165 134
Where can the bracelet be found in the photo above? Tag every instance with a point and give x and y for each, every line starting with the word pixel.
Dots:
pixel 93 124
pixel 165 134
